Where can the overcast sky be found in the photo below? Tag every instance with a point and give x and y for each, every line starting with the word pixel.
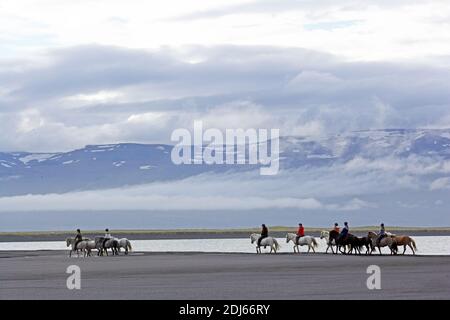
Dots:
pixel 102 71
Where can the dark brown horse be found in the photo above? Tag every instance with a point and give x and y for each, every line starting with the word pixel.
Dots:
pixel 349 240
pixel 367 243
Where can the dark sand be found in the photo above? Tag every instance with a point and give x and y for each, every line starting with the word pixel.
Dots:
pixel 41 275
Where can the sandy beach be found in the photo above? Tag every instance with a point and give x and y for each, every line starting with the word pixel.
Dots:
pixel 42 275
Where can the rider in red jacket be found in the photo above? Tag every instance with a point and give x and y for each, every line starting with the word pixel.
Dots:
pixel 300 232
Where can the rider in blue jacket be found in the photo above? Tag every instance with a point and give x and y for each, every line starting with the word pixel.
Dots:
pixel 344 231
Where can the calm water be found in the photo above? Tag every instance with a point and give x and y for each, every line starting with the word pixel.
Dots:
pixel 429 245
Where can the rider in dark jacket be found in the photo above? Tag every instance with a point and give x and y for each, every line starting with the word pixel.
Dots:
pixel 106 238
pixel 344 232
pixel 264 234
pixel 78 239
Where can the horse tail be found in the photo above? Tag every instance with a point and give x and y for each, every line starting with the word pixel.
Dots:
pixel 315 242
pixel 129 245
pixel 414 244
pixel 277 245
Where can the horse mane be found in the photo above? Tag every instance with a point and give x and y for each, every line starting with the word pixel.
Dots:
pixel 333 233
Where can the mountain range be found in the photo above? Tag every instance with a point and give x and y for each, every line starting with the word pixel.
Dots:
pixel 116 165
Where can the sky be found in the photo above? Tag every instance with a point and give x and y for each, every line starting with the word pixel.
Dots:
pixel 83 72
pixel 76 73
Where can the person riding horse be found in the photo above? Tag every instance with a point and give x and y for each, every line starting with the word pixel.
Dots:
pixel 381 234
pixel 300 232
pixel 344 232
pixel 336 228
pixel 78 239
pixel 264 234
pixel 107 237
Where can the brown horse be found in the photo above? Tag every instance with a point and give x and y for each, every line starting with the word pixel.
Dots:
pixel 406 241
pixel 348 240
pixel 387 241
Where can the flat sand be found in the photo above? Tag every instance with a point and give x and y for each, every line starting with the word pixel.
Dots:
pixel 41 275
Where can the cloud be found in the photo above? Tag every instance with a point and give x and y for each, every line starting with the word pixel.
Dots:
pixel 145 198
pixel 440 183
pixel 352 205
pixel 282 6
pixel 88 94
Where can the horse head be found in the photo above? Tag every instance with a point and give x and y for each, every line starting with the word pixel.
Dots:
pixel 98 241
pixel 69 241
pixel 324 234
pixel 371 235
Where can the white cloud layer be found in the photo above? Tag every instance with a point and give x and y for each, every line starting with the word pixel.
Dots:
pixel 100 94
pixel 357 30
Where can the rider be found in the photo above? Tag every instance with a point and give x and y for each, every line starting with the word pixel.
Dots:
pixel 107 237
pixel 78 239
pixel 336 228
pixel 300 232
pixel 264 234
pixel 344 231
pixel 381 234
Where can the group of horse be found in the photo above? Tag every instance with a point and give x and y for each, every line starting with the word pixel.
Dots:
pixel 349 244
pixel 101 244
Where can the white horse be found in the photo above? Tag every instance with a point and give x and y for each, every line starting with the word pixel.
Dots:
pixel 269 241
pixel 124 243
pixel 303 241
pixel 85 246
pixel 89 246
pixel 326 235
pixel 102 244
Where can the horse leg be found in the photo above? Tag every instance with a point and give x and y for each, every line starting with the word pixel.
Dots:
pixel 409 245
pixel 404 249
pixel 379 249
